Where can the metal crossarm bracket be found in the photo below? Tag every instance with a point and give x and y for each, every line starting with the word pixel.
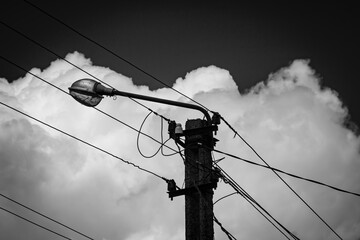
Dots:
pixel 190 190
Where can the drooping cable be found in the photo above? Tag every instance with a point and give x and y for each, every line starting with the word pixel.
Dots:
pixel 137 140
pixel 228 195
pixel 34 223
pixel 44 216
pixel 138 137
pixel 162 141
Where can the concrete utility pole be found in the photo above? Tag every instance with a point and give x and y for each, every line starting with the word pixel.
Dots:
pixel 198 177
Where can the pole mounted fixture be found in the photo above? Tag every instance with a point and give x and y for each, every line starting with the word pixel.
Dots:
pixel 90 93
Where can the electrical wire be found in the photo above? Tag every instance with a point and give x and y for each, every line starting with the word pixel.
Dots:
pixel 289 174
pixel 34 223
pixel 158 80
pixel 85 142
pixel 228 234
pixel 208 205
pixel 67 94
pixel 255 205
pixel 149 114
pixel 76 137
pixel 108 115
pixel 228 195
pixel 138 136
pixel 162 143
pixel 97 109
pixel 49 50
pixel 79 68
pixel 258 155
pixel 91 75
pixel 111 52
pixel 243 193
pixel 229 180
pixel 236 134
pixel 44 216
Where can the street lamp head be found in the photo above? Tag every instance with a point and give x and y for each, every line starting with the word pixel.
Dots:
pixel 83 91
pixel 89 92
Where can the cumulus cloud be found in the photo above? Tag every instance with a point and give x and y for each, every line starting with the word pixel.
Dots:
pixel 293 121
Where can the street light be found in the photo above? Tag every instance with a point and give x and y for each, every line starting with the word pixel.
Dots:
pixel 198 144
pixel 89 93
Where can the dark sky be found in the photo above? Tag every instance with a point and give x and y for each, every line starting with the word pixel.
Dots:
pixel 168 40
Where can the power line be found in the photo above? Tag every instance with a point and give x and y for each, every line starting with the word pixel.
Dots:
pixel 229 180
pixel 289 174
pixel 106 114
pixel 228 234
pixel 82 140
pixel 97 109
pixel 58 20
pixel 258 155
pixel 43 215
pixel 228 195
pixel 49 50
pixel 207 204
pixel 85 142
pixel 244 194
pixel 198 103
pixel 79 68
pixel 111 52
pixel 158 80
pixel 34 223
pixel 255 205
pixel 73 136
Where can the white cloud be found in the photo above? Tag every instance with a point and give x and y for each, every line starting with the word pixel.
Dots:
pixel 293 122
pixel 205 79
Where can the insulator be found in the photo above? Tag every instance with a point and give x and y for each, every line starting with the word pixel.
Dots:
pixel 178 129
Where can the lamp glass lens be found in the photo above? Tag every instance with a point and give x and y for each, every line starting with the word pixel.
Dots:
pixel 88 100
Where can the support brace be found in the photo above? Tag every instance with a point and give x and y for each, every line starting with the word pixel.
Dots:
pixel 187 191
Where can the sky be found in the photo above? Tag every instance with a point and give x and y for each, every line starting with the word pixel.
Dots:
pixel 283 76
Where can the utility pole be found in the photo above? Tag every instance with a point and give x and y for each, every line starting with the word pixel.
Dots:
pixel 198 172
pixel 200 179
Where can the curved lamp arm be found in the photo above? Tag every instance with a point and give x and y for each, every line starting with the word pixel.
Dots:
pixel 89 93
